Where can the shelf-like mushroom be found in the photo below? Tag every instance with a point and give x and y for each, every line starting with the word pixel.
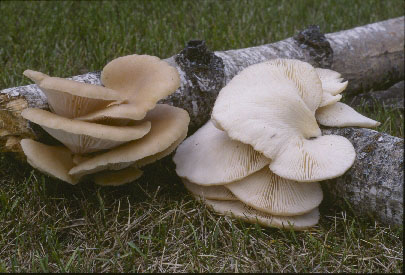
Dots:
pixel 55 161
pixel 268 193
pixel 271 115
pixel 331 81
pixel 309 160
pixel 84 137
pixel 215 192
pixel 119 177
pixel 241 211
pixel 210 157
pixel 342 115
pixel 69 98
pixel 169 124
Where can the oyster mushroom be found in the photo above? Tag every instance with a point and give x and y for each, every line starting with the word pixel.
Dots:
pixel 265 108
pixel 342 115
pixel 268 193
pixel 142 79
pixel 71 99
pixel 210 157
pixel 115 178
pixel 55 161
pixel 169 126
pixel 215 192
pixel 84 137
pixel 241 211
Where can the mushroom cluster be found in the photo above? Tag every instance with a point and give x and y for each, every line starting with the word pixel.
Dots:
pixel 261 156
pixel 109 131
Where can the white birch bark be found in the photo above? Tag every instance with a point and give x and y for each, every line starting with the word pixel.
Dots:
pixel 369 56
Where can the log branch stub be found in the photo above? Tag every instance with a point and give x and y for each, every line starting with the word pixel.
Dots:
pixel 202 77
pixel 313 40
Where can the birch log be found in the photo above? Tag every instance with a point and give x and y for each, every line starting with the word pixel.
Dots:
pixel 370 56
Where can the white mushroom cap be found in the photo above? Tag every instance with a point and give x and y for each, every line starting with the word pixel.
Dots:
pixel 261 107
pixel 331 81
pixel 241 211
pixel 210 157
pixel 142 78
pixel 268 193
pixel 304 77
pixel 270 116
pixel 85 137
pixel 312 160
pixel 342 115
pixel 116 178
pixel 69 98
pixel 328 99
pixel 265 116
pixel 55 161
pixel 217 192
pixel 168 126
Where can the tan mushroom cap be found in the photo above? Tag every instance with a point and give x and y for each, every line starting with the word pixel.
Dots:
pixel 318 159
pixel 342 115
pixel 69 98
pixel 268 193
pixel 85 137
pixel 241 211
pixel 55 161
pixel 217 192
pixel 210 157
pixel 143 78
pixel 152 158
pixel 132 111
pixel 331 81
pixel 35 76
pixel 168 126
pixel 116 178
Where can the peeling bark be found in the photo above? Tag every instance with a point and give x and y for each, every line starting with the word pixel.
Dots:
pixel 370 56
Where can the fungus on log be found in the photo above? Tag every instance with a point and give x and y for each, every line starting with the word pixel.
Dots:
pixel 369 57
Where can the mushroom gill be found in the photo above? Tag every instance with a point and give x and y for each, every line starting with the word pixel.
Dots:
pixel 269 113
pixel 103 126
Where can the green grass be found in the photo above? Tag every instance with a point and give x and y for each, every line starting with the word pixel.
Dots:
pixel 153 224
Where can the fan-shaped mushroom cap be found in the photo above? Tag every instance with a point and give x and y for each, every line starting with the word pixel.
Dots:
pixel 168 125
pixel 85 137
pixel 216 192
pixel 342 115
pixel 210 157
pixel 241 211
pixel 35 76
pixel 312 160
pixel 142 78
pixel 125 111
pixel 69 98
pixel 55 161
pixel 119 177
pixel 273 118
pixel 268 193
pixel 152 158
pixel 261 107
pixel 331 81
